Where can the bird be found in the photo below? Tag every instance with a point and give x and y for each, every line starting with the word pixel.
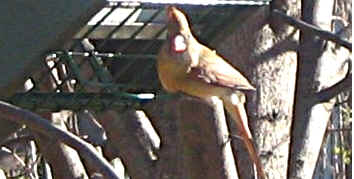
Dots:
pixel 184 65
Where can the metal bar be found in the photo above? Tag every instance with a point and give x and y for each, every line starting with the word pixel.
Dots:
pixel 117 28
pixel 102 74
pixel 77 101
pixel 113 56
pixel 96 25
pixel 47 70
pixel 108 84
pixel 133 36
pixel 155 3
pixel 140 29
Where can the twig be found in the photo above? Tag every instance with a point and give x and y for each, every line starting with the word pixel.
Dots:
pixel 326 35
pixel 342 102
pixel 339 129
pixel 37 123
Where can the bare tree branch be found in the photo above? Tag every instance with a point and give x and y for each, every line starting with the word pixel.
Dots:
pixel 339 129
pixel 37 123
pixel 326 35
pixel 330 92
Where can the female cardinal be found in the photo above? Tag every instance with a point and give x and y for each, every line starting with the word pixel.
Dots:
pixel 185 65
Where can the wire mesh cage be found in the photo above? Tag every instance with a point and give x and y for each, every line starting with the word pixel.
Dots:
pixel 110 63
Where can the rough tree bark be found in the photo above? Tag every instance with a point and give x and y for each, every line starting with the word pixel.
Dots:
pixel 129 140
pixel 190 146
pixel 203 152
pixel 163 116
pixel 264 49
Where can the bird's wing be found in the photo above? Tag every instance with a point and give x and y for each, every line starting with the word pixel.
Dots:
pixel 214 70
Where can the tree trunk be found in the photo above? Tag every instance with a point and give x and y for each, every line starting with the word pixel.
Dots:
pixel 204 149
pixel 317 69
pixel 264 50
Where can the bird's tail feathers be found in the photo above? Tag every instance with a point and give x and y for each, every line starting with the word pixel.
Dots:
pixel 239 115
